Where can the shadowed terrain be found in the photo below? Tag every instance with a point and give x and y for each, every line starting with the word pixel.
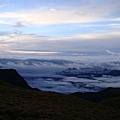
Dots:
pixel 99 96
pixel 17 103
pixel 11 76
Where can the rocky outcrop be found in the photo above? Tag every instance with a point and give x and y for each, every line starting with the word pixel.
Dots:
pixel 11 76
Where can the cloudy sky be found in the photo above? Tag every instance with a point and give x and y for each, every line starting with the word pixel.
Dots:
pixel 52 26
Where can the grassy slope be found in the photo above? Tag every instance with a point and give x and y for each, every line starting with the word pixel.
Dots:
pixel 112 102
pixel 23 104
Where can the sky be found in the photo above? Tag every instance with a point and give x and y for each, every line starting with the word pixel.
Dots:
pixel 55 26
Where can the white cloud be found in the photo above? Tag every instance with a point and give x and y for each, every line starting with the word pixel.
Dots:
pixel 31 52
pixel 116 19
pixel 52 9
pixel 34 42
pixel 93 11
pixel 99 36
pixel 114 25
pixel 4 45
pixel 6 22
pixel 18 36
pixel 47 17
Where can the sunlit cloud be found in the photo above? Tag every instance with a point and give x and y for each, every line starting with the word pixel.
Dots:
pixel 4 45
pixel 99 36
pixel 66 14
pixel 19 37
pixel 45 45
pixel 85 25
pixel 114 25
pixel 32 52
pixel 48 17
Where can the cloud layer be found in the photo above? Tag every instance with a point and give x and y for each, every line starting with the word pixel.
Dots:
pixel 72 25
pixel 33 44
pixel 87 13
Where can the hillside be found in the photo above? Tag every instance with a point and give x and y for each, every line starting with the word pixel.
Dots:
pixel 99 96
pixel 22 104
pixel 11 76
pixel 112 102
pixel 17 103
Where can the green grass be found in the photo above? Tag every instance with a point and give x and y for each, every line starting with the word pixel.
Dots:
pixel 23 104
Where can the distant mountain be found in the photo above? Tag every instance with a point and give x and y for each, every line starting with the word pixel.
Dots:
pixel 89 73
pixel 99 96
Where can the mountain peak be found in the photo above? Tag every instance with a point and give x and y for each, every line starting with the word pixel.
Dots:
pixel 11 76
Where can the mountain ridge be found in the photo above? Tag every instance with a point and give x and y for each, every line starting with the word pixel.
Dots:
pixel 19 103
pixel 11 76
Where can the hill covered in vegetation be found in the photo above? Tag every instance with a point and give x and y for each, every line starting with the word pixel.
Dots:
pixel 99 96
pixel 11 76
pixel 19 103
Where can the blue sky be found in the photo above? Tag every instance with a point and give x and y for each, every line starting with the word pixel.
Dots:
pixel 59 25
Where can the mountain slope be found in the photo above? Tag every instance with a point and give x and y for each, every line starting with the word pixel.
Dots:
pixel 11 76
pixel 99 96
pixel 24 104
pixel 112 102
pixel 19 103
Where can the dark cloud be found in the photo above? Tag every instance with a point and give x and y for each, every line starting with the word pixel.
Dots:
pixel 19 24
pixel 17 32
pixel 4 33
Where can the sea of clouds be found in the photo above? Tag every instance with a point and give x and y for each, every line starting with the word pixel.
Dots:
pixel 43 72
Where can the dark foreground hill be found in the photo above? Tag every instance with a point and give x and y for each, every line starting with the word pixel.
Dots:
pixel 11 76
pixel 17 103
pixel 99 96
pixel 24 104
